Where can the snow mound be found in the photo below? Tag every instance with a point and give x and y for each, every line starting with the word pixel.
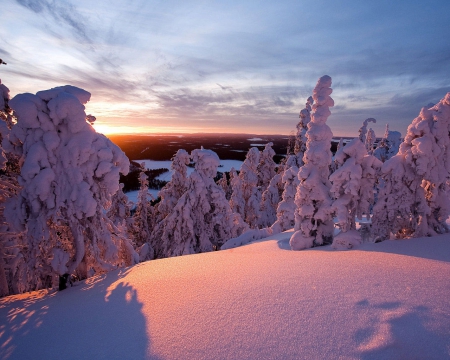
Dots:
pixel 388 300
pixel 346 240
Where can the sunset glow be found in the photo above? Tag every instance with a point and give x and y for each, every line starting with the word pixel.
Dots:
pixel 234 67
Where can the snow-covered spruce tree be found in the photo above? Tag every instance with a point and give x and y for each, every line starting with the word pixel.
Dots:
pixel 394 140
pixel 120 210
pixel 202 219
pixel 371 167
pixel 388 145
pixel 414 199
pixel 313 218
pixel 176 187
pixel 237 201
pixel 10 240
pixel 334 164
pixel 170 194
pixel 69 174
pixel 346 183
pixel 353 184
pixel 286 208
pixel 269 184
pixel 143 220
pixel 363 129
pixel 370 140
pixel 266 167
pixel 394 211
pixel 382 148
pixel 269 202
pixel 120 213
pixel 225 184
pixel 246 196
pixel 302 128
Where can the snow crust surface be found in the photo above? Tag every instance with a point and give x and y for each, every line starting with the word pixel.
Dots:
pixel 381 301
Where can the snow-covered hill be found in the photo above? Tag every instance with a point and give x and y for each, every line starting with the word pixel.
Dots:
pixel 261 301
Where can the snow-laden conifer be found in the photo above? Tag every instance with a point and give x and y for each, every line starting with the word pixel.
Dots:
pixel 414 197
pixel 388 145
pixel 266 167
pixel 176 187
pixel 69 174
pixel 302 128
pixel 120 210
pixel 370 141
pixel 11 241
pixel 246 196
pixel 143 220
pixel 363 129
pixel 202 219
pixel 269 202
pixel 346 183
pixel 353 184
pixel 313 219
pixel 226 184
pixel 286 208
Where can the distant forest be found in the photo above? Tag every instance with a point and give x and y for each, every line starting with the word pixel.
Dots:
pixel 227 146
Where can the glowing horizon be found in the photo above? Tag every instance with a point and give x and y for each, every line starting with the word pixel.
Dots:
pixel 233 67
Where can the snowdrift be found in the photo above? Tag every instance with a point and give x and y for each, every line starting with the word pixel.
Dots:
pixel 381 301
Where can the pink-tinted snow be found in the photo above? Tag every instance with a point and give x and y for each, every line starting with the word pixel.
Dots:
pixel 261 301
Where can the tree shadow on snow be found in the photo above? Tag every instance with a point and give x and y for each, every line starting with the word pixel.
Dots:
pixel 436 248
pixel 284 244
pixel 394 332
pixel 99 319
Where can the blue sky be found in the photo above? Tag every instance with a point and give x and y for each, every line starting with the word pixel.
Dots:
pixel 231 66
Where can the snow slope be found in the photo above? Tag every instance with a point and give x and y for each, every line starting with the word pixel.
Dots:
pixel 260 301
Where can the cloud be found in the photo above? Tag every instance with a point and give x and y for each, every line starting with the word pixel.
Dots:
pixel 399 110
pixel 4 52
pixel 61 12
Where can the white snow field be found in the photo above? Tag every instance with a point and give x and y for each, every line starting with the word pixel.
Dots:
pixel 260 301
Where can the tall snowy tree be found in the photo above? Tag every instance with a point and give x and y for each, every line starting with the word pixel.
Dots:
pixel 370 140
pixel 169 194
pixel 269 202
pixel 363 129
pixel 68 176
pixel 143 220
pixel 353 184
pixel 388 145
pixel 202 219
pixel 266 167
pixel 313 218
pixel 225 184
pixel 120 210
pixel 286 208
pixel 302 128
pixel 176 187
pixel 11 241
pixel 414 197
pixel 246 196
